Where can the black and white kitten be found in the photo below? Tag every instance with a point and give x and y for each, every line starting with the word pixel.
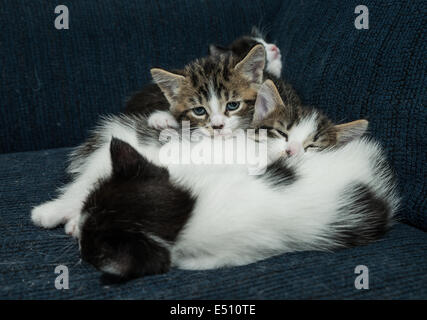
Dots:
pixel 133 216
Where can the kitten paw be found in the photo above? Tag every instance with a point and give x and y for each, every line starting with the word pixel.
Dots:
pixel 162 120
pixel 72 226
pixel 47 215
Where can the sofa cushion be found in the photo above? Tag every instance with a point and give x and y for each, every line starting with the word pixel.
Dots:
pixel 29 255
pixel 378 74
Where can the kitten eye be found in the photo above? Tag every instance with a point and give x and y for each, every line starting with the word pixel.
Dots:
pixel 284 135
pixel 311 146
pixel 231 106
pixel 199 111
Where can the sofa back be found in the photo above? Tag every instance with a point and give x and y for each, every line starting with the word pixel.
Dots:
pixel 54 84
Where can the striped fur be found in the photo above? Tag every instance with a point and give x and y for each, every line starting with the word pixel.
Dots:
pixel 294 128
pixel 211 83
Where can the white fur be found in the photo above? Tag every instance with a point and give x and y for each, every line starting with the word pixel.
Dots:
pixel 214 103
pixel 299 133
pixel 305 127
pixel 239 218
pixel 112 267
pixel 217 117
pixel 162 120
pixel 71 198
pixel 67 206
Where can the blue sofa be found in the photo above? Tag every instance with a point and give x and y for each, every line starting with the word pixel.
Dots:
pixel 54 84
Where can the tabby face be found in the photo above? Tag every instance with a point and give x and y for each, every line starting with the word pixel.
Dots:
pixel 294 130
pixel 215 94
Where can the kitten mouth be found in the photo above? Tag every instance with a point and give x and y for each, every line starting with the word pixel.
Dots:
pixel 276 55
pixel 222 133
pixel 202 132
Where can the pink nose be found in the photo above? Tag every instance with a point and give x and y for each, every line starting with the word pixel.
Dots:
pixel 274 48
pixel 290 152
pixel 293 149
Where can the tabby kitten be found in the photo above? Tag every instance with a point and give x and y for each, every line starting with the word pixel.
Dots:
pixel 225 81
pixel 273 67
pixel 239 49
pixel 215 94
pixel 294 129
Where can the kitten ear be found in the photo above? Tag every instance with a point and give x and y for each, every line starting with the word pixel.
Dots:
pixel 169 82
pixel 347 132
pixel 215 50
pixel 255 32
pixel 125 160
pixel 268 100
pixel 252 66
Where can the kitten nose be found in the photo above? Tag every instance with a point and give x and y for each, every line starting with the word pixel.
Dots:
pixel 217 121
pixel 274 48
pixel 293 149
pixel 291 152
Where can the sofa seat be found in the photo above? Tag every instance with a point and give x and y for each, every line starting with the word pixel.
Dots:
pixel 28 256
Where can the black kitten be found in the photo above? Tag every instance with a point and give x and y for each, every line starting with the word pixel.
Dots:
pixel 129 221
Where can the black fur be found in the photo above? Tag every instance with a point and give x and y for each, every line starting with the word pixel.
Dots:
pixel 375 214
pixel 127 214
pixel 239 47
pixel 149 99
pixel 146 101
pixel 279 174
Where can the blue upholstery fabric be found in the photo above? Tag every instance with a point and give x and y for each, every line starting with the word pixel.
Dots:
pixel 55 83
pixel 397 264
